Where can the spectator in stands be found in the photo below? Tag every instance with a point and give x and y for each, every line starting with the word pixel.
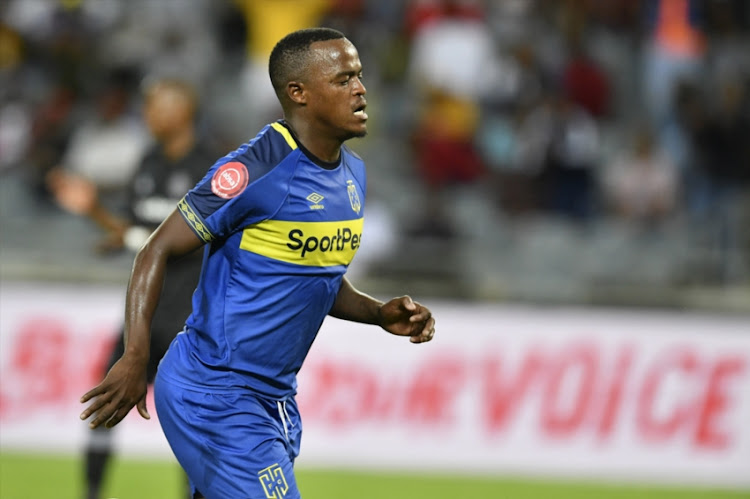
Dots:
pixel 51 129
pixel 585 82
pixel 452 68
pixel 572 160
pixel 641 185
pixel 106 147
pixel 674 52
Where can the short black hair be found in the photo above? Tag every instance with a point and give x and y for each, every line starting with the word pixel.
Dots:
pixel 288 56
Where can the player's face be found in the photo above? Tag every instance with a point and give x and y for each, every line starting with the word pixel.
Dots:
pixel 166 110
pixel 336 94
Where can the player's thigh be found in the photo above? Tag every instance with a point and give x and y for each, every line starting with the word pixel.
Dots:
pixel 229 445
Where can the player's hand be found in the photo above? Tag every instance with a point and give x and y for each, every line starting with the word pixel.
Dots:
pixel 72 192
pixel 405 317
pixel 124 387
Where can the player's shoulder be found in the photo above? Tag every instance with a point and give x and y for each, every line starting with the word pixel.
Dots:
pixel 350 153
pixel 269 148
pixel 354 163
pixel 263 153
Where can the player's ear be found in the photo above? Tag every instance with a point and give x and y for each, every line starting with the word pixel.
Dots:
pixel 296 92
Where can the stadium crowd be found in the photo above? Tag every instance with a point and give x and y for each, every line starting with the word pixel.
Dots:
pixel 519 149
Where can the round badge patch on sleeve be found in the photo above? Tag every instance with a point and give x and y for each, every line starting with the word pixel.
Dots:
pixel 229 180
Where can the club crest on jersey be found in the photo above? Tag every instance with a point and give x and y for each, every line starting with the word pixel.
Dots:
pixel 315 199
pixel 353 196
pixel 229 180
pixel 274 482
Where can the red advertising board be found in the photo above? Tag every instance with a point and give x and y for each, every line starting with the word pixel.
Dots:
pixel 587 393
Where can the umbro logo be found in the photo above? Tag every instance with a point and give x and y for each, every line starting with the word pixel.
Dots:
pixel 315 199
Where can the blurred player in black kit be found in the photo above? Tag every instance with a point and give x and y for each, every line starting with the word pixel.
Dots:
pixel 172 166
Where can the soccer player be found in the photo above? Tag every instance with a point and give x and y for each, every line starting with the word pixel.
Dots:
pixel 282 217
pixel 173 165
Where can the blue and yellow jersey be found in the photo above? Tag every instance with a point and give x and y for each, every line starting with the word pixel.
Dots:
pixel 282 228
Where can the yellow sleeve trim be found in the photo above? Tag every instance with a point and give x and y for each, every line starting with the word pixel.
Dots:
pixel 285 133
pixel 194 221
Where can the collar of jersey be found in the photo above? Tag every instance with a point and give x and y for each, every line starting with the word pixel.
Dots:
pixel 326 165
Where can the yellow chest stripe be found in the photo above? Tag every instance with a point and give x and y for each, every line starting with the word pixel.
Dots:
pixel 315 244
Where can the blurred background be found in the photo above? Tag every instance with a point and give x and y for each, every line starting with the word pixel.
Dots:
pixel 552 151
pixel 590 155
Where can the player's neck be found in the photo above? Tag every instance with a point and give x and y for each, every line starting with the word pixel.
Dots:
pixel 327 149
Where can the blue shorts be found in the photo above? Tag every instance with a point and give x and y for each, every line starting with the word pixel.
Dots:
pixel 231 445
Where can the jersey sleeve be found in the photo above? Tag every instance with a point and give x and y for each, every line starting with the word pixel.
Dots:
pixel 242 188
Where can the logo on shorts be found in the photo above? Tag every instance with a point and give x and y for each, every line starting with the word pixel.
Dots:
pixel 274 482
pixel 229 180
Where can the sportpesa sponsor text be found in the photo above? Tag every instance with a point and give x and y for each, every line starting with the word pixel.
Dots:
pixel 319 244
pixel 343 239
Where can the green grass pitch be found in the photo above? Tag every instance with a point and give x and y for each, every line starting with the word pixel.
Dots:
pixel 26 476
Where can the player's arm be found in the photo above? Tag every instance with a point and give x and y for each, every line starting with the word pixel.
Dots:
pixel 78 195
pixel 400 316
pixel 125 384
